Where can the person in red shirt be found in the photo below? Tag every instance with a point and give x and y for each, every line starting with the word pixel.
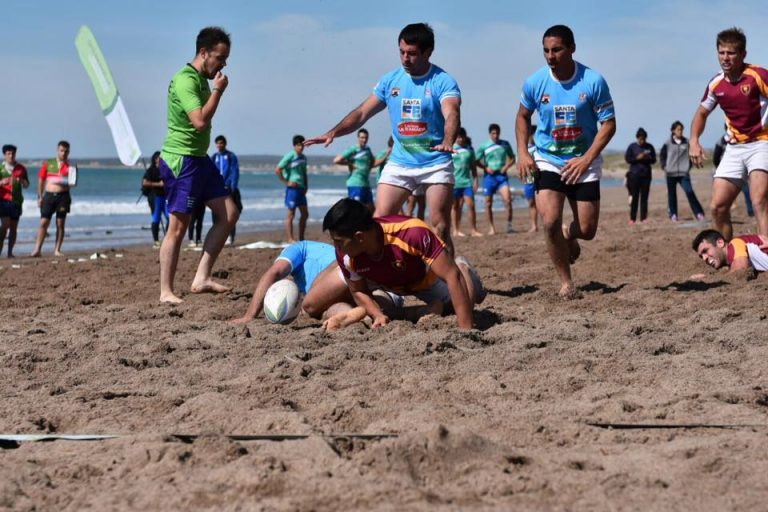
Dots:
pixel 53 197
pixel 402 255
pixel 13 177
pixel 741 90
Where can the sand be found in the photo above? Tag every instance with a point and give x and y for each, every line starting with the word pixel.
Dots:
pixel 497 418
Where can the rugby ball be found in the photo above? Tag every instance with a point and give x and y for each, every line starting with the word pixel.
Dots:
pixel 282 303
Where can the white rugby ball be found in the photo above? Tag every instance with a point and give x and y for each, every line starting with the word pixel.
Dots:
pixel 282 303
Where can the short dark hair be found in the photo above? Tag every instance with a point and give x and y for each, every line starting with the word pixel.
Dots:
pixel 298 139
pixel 710 235
pixel 347 217
pixel 419 34
pixel 362 130
pixel 220 138
pixel 209 37
pixel 461 132
pixel 155 156
pixel 733 35
pixel 641 133
pixel 675 125
pixel 63 143
pixel 9 147
pixel 563 32
pixel 494 126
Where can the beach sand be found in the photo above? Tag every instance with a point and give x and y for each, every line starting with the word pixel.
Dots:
pixel 496 418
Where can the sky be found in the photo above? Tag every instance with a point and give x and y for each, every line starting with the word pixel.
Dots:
pixel 297 67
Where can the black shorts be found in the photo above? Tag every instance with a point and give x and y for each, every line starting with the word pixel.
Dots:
pixel 235 194
pixel 55 202
pixel 548 180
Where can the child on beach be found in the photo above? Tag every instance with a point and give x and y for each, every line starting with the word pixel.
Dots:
pixel 292 170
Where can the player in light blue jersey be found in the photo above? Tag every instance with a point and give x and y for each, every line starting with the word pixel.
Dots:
pixel 571 100
pixel 424 109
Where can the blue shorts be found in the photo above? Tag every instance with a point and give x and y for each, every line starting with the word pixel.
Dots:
pixel 199 181
pixel 530 191
pixel 463 192
pixel 362 194
pixel 493 182
pixel 295 197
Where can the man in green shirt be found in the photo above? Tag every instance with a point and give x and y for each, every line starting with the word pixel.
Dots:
pixel 292 171
pixel 495 157
pixel 189 175
pixel 465 184
pixel 359 159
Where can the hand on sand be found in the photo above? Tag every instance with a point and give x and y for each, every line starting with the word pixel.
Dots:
pixel 208 286
pixel 242 320
pixel 380 321
pixel 333 324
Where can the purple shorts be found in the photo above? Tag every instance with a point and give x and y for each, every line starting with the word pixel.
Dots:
pixel 199 181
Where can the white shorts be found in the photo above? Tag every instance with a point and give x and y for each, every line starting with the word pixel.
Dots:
pixel 411 177
pixel 438 291
pixel 594 172
pixel 741 159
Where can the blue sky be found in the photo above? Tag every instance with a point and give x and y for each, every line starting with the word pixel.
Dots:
pixel 299 66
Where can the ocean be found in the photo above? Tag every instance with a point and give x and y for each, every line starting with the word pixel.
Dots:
pixel 108 210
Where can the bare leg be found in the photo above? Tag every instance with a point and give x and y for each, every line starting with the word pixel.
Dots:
pixel 4 223
pixel 389 199
pixel 550 204
pixel 758 190
pixel 12 230
pixel 226 215
pixel 472 215
pixel 724 192
pixel 329 288
pixel 439 196
pixel 169 254
pixel 534 215
pixel 489 214
pixel 304 215
pixel 289 224
pixel 42 232
pixel 506 196
pixel 60 222
pixel 458 204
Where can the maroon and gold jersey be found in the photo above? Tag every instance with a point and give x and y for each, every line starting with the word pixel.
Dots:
pixel 410 247
pixel 745 103
pixel 748 246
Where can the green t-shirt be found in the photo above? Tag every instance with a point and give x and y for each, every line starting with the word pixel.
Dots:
pixel 362 161
pixel 294 168
pixel 463 158
pixel 494 154
pixel 381 154
pixel 187 91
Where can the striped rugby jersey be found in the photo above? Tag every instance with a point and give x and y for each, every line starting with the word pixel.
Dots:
pixel 745 103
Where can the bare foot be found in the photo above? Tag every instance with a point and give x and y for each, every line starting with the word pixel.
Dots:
pixel 476 233
pixel 492 231
pixel 58 254
pixel 459 233
pixel 533 229
pixel 11 255
pixel 569 292
pixel 35 255
pixel 170 298
pixel 209 286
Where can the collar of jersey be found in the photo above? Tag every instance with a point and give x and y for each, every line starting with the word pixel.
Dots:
pixel 575 72
pixel 420 76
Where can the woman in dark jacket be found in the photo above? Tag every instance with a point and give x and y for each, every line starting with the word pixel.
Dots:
pixel 640 156
pixel 676 163
pixel 152 186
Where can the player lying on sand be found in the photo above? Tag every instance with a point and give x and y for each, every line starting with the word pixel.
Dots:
pixel 402 255
pixel 742 252
pixel 312 266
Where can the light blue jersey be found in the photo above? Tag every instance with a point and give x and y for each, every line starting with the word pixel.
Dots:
pixel 307 259
pixel 414 110
pixel 568 111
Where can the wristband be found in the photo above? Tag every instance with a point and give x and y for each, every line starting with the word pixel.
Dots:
pixel 217 89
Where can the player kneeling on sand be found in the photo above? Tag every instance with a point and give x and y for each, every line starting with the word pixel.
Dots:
pixel 401 255
pixel 742 252
pixel 312 266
